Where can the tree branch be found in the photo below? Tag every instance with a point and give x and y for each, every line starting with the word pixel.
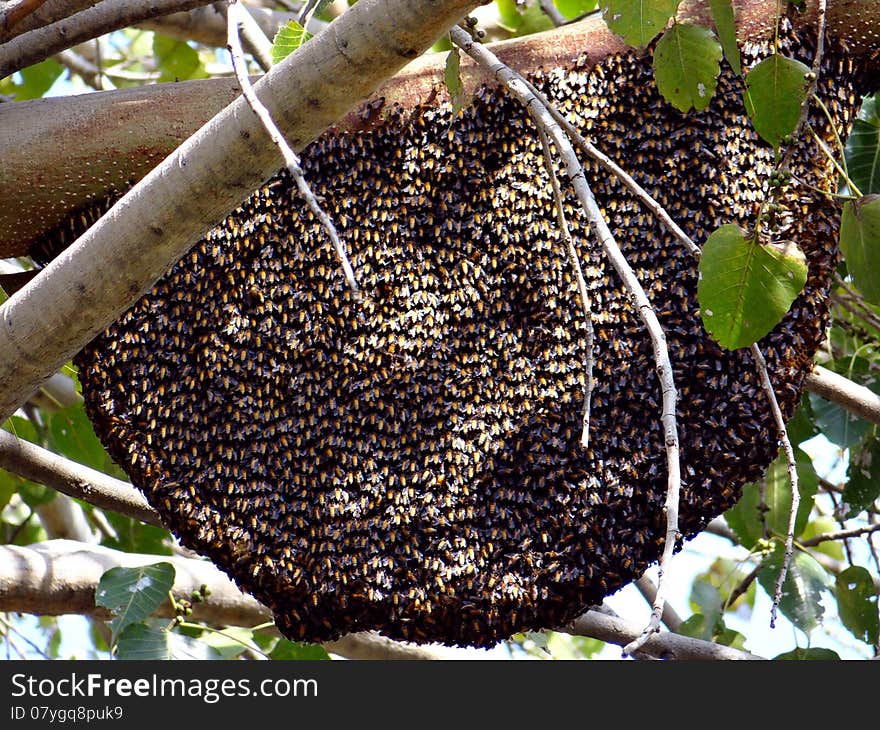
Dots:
pixel 105 17
pixel 663 645
pixel 855 398
pixel 48 12
pixel 89 285
pixel 60 576
pixel 205 25
pixel 75 480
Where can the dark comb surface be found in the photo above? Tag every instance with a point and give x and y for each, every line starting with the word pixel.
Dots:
pixel 412 464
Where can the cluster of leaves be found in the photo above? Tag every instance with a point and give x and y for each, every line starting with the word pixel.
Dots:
pixel 134 595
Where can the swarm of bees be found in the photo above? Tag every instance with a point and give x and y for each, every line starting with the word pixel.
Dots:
pixel 410 461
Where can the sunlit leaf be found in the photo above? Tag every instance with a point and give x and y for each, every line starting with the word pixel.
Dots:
pixel 132 594
pixel 638 22
pixel 176 59
pixel 857 604
pixel 745 288
pixel 452 77
pixel 860 244
pixel 775 91
pixel 285 649
pixel 575 8
pixel 686 65
pixel 288 38
pixel 32 82
pixel 821 526
pixel 725 24
pixel 565 646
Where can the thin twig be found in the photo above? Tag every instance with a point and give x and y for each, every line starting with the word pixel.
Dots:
pixel 487 60
pixel 291 159
pixel 782 435
pixel 839 535
pixel 743 587
pixel 648 590
pixel 553 13
pixel 582 287
pixel 253 37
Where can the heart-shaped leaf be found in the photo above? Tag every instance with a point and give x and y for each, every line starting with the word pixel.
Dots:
pixel 638 21
pixel 686 66
pixel 775 91
pixel 860 243
pixel 746 287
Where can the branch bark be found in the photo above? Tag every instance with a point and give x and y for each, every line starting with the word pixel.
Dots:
pixel 663 645
pixel 855 398
pixel 49 12
pixel 60 576
pixel 105 17
pixel 40 465
pixel 86 288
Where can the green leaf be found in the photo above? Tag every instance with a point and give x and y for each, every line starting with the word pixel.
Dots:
pixel 702 627
pixel 453 81
pixel 140 642
pixel 808 654
pixel 638 21
pixel 288 38
pixel 71 435
pixel 857 604
pixel 837 424
pixel 686 66
pixel 821 526
pixel 860 244
pixel 863 478
pixel 802 589
pixel 744 517
pixel 23 428
pixel 230 642
pixel 801 427
pixel 863 148
pixel 132 594
pixel 575 8
pixel 564 646
pixel 32 82
pixel 133 536
pixel 285 649
pixel 177 60
pixel 745 287
pixel 775 91
pixel 725 24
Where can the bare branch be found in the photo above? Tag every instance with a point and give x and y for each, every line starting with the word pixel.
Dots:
pixel 664 645
pixel 60 576
pixel 552 12
pixel 48 12
pixel 565 232
pixel 37 464
pixel 782 435
pixel 105 17
pixel 513 81
pixel 291 160
pixel 839 535
pixel 855 398
pixel 207 26
pixel 89 285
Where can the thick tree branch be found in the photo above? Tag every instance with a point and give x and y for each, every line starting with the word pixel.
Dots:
pixel 75 480
pixel 60 576
pixel 48 12
pixel 855 398
pixel 95 280
pixel 663 645
pixel 105 17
